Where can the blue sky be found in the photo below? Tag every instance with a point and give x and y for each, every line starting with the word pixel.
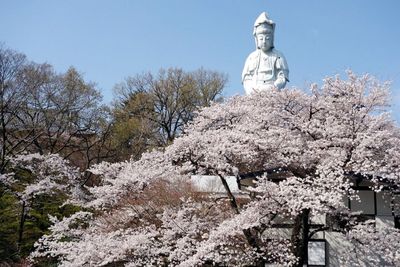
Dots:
pixel 110 40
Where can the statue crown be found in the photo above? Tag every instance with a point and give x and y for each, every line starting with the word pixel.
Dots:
pixel 263 18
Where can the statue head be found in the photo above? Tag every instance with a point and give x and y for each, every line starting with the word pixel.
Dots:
pixel 263 32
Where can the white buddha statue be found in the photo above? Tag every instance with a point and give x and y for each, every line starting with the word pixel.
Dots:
pixel 266 67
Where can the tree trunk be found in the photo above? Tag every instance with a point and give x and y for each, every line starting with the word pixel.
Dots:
pixel 254 241
pixel 21 226
pixel 299 238
pixel 251 236
pixel 231 197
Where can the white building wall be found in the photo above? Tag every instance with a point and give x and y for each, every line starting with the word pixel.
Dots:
pixel 338 246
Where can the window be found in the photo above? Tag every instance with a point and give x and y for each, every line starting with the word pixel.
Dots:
pixel 316 252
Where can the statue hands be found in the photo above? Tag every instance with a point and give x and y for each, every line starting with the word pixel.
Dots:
pixel 280 82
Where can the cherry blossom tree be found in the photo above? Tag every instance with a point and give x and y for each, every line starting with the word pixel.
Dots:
pixel 305 153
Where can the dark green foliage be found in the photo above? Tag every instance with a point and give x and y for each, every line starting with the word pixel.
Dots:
pixel 9 218
pixel 36 222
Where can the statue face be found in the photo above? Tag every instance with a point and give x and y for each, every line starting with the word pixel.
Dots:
pixel 264 37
